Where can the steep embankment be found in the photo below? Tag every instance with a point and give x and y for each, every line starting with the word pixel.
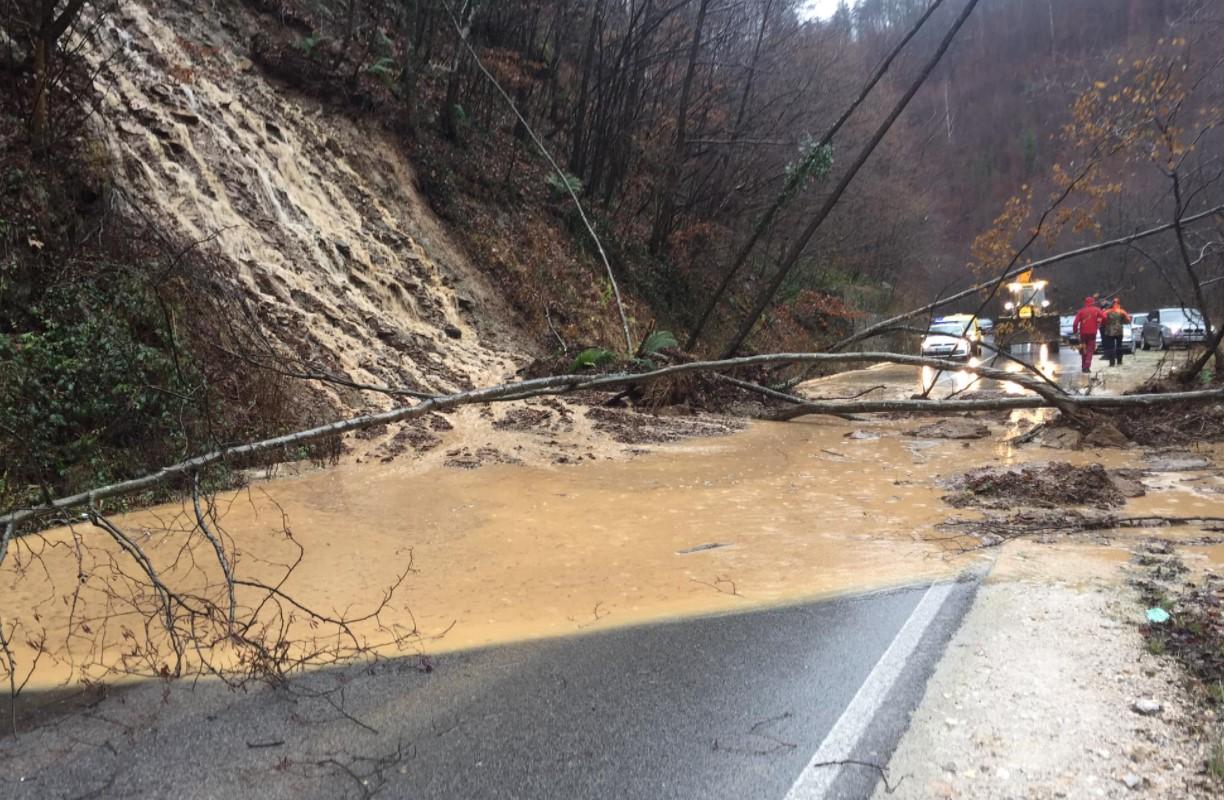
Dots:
pixel 342 266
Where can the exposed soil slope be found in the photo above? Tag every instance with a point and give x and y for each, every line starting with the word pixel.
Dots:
pixel 340 261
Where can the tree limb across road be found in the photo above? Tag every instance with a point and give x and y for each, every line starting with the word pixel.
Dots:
pixel 1045 396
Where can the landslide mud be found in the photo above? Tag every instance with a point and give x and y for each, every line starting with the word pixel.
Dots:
pixel 774 514
pixel 511 552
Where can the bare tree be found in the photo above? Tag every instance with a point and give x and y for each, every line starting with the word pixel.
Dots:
pixel 797 248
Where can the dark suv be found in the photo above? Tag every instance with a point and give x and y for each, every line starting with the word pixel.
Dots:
pixel 1169 327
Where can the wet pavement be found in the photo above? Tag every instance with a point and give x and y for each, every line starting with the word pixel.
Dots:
pixel 730 706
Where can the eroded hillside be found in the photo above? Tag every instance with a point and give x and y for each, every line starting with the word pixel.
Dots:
pixel 342 265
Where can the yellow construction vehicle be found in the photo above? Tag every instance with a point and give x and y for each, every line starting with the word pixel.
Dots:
pixel 1027 318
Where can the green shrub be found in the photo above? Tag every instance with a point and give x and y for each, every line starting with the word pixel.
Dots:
pixel 308 44
pixel 591 358
pixel 656 341
pixel 92 391
pixel 561 188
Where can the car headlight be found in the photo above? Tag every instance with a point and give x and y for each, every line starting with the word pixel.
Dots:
pixel 1009 305
pixel 1174 330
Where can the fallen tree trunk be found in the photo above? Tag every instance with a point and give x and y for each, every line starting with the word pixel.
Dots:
pixel 563 384
pixel 1089 402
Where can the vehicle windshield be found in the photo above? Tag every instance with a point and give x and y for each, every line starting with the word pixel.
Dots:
pixel 948 329
pixel 1181 315
pixel 1028 294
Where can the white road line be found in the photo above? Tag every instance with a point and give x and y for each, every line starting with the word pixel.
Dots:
pixel 814 782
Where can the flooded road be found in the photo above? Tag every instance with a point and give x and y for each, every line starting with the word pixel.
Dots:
pixel 777 569
pixel 777 514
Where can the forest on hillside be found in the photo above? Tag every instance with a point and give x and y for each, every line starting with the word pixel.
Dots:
pixel 747 176
pixel 683 123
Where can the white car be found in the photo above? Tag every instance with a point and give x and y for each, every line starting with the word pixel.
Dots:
pixel 1137 321
pixel 957 336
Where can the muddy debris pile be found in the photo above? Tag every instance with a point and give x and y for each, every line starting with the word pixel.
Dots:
pixel 628 427
pixel 544 418
pixel 952 428
pixel 1052 485
pixel 415 436
pixel 1193 630
pixel 1175 424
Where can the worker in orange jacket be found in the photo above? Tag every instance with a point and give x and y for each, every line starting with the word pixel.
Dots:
pixel 1111 332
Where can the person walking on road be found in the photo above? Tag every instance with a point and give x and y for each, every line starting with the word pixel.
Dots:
pixel 1111 332
pixel 1087 323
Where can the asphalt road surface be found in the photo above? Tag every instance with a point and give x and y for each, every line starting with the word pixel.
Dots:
pixel 792 702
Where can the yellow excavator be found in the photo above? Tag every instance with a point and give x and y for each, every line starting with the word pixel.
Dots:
pixel 1027 318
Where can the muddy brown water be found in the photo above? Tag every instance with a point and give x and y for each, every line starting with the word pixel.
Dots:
pixel 775 514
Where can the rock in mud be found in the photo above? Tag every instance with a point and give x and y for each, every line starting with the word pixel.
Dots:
pixel 1129 482
pixel 952 429
pixel 1106 434
pixel 1061 438
pixel 1164 462
pixel 1147 707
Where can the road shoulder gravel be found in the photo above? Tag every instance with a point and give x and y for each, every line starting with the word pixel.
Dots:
pixel 1040 696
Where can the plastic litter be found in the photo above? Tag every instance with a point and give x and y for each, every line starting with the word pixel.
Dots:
pixel 1157 615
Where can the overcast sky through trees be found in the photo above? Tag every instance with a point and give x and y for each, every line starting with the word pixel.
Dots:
pixel 822 9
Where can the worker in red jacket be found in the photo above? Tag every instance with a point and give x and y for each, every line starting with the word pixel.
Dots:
pixel 1087 323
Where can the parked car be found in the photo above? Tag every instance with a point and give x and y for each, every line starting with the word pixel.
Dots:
pixel 1137 321
pixel 1173 327
pixel 1128 340
pixel 954 336
pixel 1065 324
pixel 987 325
